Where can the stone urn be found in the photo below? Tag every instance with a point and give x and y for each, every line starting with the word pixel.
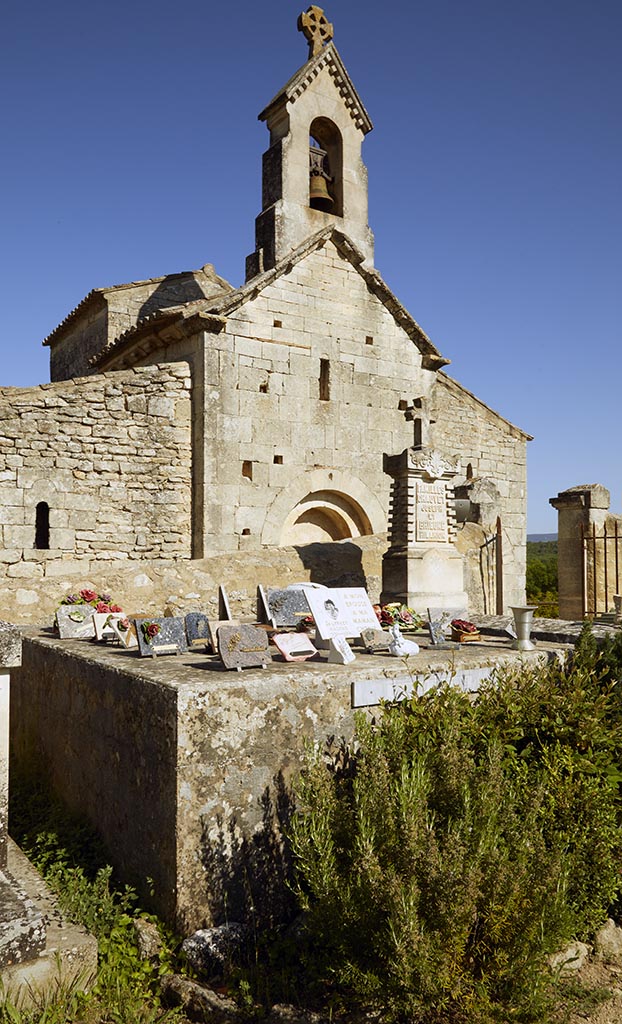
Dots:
pixel 523 618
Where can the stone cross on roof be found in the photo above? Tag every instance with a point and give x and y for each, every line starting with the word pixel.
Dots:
pixel 316 29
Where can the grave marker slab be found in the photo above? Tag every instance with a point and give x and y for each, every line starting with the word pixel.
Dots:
pixel 343 611
pixel 224 611
pixel 75 622
pixel 214 626
pixel 339 651
pixel 294 646
pixel 243 646
pixel 375 640
pixel 124 630
pixel 170 638
pixel 102 622
pixel 197 630
pixel 287 607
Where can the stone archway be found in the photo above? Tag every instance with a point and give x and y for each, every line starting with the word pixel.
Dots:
pixel 324 516
pixel 323 505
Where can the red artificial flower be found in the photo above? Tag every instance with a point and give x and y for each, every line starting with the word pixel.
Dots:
pixel 88 596
pixel 115 608
pixel 153 629
pixel 102 608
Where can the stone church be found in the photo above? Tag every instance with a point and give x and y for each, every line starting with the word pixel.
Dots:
pixel 186 418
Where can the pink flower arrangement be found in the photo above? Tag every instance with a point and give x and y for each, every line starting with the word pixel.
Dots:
pixel 387 614
pixel 100 602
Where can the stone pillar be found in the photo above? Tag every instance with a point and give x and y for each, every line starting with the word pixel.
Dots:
pixel 422 568
pixel 584 506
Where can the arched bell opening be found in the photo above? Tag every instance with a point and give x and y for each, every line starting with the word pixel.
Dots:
pixel 325 167
pixel 324 516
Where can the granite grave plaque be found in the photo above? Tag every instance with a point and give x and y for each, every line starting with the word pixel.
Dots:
pixel 75 622
pixel 287 607
pixel 161 636
pixel 197 630
pixel 243 646
pixel 214 626
pixel 294 646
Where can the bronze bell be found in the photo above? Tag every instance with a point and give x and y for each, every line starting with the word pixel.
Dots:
pixel 319 196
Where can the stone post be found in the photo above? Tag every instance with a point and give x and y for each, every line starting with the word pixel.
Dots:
pixel 10 657
pixel 422 568
pixel 586 505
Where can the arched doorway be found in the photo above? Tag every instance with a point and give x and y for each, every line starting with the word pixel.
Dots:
pixel 324 516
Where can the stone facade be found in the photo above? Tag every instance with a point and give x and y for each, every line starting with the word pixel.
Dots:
pixel 589 552
pixel 101 465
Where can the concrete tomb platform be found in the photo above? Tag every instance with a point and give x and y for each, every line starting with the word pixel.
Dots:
pixel 183 767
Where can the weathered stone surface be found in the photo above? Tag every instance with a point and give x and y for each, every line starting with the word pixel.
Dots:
pixel 284 1013
pixel 199 1002
pixel 22 927
pixel 608 942
pixel 10 646
pixel 570 959
pixel 147 938
pixel 209 950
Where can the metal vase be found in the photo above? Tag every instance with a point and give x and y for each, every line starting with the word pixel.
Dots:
pixel 523 618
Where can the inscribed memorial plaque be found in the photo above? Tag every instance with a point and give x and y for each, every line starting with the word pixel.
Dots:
pixel 341 611
pixel 75 622
pixel 197 630
pixel 375 640
pixel 287 607
pixel 339 651
pixel 243 647
pixel 431 511
pixel 160 636
pixel 294 646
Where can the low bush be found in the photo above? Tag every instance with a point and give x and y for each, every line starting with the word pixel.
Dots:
pixel 457 842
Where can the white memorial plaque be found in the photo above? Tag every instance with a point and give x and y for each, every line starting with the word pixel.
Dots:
pixel 124 630
pixel 431 511
pixel 341 611
pixel 103 624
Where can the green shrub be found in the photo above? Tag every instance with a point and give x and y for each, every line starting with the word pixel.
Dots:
pixel 466 841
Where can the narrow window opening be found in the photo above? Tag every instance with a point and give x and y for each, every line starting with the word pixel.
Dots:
pixel 246 532
pixel 402 405
pixel 42 526
pixel 247 469
pixel 469 472
pixel 369 340
pixel 278 323
pixel 278 460
pixel 324 380
pixel 418 432
pixel 263 388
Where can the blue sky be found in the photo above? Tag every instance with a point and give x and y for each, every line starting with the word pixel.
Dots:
pixel 132 149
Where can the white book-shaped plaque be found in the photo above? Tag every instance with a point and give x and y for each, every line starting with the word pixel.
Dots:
pixel 343 611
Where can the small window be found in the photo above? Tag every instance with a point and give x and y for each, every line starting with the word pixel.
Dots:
pixel 263 388
pixel 469 471
pixel 247 470
pixel 324 380
pixel 278 460
pixel 278 323
pixel 42 526
pixel 369 340
pixel 246 532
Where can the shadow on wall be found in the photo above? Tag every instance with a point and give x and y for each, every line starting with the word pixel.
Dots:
pixel 335 564
pixel 249 876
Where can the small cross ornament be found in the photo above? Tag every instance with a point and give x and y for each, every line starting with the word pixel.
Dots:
pixel 316 29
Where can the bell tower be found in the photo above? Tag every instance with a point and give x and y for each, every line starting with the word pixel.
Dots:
pixel 313 172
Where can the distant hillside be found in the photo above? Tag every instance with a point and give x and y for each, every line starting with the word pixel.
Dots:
pixel 543 538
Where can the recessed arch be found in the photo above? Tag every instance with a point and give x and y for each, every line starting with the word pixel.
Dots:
pixel 326 134
pixel 331 500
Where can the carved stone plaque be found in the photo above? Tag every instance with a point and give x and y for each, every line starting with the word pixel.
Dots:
pixel 170 637
pixel 376 640
pixel 431 511
pixel 75 621
pixel 243 646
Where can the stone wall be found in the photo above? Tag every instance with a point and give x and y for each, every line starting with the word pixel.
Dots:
pixel 109 457
pixel 271 439
pixel 493 455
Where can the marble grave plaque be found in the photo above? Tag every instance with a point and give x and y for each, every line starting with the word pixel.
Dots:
pixel 197 630
pixel 341 611
pixel 171 638
pixel 124 630
pixel 294 646
pixel 287 607
pixel 339 651
pixel 243 646
pixel 75 622
pixel 103 624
